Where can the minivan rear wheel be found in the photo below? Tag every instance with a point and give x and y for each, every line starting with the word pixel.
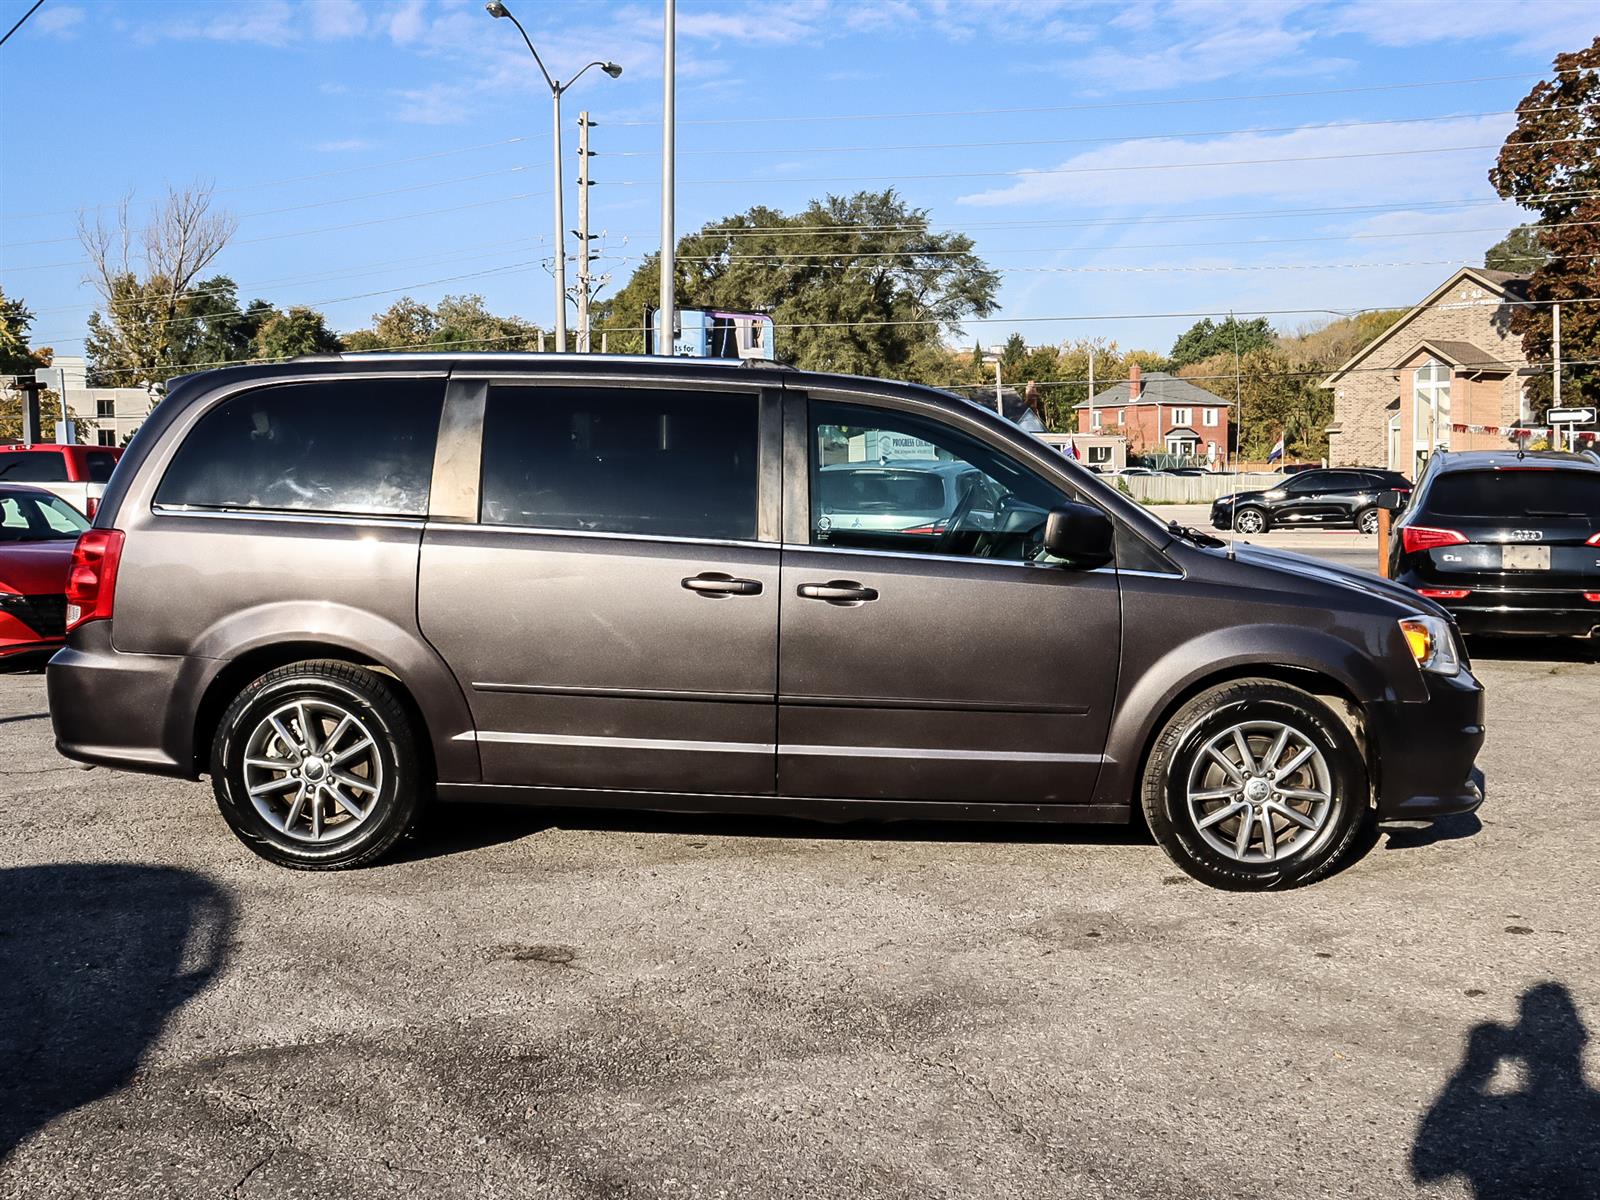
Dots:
pixel 1255 785
pixel 314 766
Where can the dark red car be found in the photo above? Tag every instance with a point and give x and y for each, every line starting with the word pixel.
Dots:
pixel 38 531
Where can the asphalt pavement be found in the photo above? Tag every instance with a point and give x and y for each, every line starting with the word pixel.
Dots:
pixel 576 1005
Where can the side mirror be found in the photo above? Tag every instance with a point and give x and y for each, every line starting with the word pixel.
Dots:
pixel 1079 534
pixel 1391 501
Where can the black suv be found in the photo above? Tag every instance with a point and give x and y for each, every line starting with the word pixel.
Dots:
pixel 1509 543
pixel 1345 496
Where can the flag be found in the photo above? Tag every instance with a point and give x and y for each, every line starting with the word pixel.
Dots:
pixel 1277 451
pixel 1071 450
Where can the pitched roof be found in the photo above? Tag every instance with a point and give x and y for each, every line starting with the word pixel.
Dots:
pixel 1158 387
pixel 1505 283
pixel 1456 354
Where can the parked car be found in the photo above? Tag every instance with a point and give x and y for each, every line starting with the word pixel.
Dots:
pixel 1508 543
pixel 1341 497
pixel 38 531
pixel 78 474
pixel 606 581
pixel 906 503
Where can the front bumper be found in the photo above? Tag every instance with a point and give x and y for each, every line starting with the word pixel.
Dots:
pixel 1221 515
pixel 1425 753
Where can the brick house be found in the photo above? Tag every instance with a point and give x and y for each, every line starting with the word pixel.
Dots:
pixel 1161 414
pixel 1447 375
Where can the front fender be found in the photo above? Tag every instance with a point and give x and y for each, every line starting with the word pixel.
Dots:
pixel 1155 685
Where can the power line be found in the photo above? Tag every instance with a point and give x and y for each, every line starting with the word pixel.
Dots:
pixel 1102 106
pixel 20 20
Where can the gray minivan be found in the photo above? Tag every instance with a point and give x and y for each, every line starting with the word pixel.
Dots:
pixel 349 587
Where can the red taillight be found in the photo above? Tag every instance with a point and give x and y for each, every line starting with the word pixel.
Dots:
pixel 92 507
pixel 926 530
pixel 92 579
pixel 1594 540
pixel 1592 597
pixel 1419 537
pixel 1445 593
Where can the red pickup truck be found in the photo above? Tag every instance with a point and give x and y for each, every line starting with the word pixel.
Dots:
pixel 77 474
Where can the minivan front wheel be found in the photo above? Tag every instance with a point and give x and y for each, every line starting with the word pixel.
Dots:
pixel 1255 785
pixel 314 766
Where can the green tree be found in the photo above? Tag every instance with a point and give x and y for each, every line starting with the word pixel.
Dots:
pixel 859 284
pixel 464 321
pixel 16 356
pixel 1550 163
pixel 1207 337
pixel 212 327
pixel 138 333
pixel 405 324
pixel 300 330
pixel 1518 252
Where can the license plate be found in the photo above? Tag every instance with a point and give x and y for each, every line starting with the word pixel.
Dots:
pixel 1525 558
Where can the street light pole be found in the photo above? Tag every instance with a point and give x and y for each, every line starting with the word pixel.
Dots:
pixel 667 304
pixel 497 9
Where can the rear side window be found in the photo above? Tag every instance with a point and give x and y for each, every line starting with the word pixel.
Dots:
pixel 101 465
pixel 34 466
pixel 674 463
pixel 359 447
pixel 1518 492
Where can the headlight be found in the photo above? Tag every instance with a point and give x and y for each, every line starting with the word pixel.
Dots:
pixel 1431 644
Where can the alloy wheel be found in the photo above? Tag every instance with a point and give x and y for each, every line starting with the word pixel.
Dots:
pixel 1369 521
pixel 312 770
pixel 1248 522
pixel 1260 791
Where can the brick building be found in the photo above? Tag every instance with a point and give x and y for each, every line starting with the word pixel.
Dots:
pixel 1447 375
pixel 1161 414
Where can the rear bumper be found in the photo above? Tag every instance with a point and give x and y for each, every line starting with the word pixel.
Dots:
pixel 1536 612
pixel 121 710
pixel 1426 752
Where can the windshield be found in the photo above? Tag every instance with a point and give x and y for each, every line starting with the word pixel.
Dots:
pixel 1516 492
pixel 879 490
pixel 42 518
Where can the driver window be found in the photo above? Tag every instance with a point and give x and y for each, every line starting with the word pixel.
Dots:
pixel 884 480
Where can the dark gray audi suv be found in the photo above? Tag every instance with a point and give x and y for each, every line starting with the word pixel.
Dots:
pixel 346 588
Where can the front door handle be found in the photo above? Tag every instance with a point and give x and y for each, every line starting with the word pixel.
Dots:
pixel 714 583
pixel 838 591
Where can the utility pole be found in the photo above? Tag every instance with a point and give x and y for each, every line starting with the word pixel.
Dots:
pixel 1094 417
pixel 1555 373
pixel 669 265
pixel 585 283
pixel 1238 399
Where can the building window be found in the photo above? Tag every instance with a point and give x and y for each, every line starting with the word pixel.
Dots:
pixel 105 437
pixel 1099 454
pixel 105 407
pixel 1182 416
pixel 1210 417
pixel 1120 421
pixel 1430 411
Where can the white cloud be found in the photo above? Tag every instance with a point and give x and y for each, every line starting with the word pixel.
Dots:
pixel 407 23
pixel 62 21
pixel 332 19
pixel 342 146
pixel 1543 27
pixel 1331 163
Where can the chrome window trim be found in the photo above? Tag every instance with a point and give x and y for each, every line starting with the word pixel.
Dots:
pixel 657 538
pixel 912 555
pixel 288 514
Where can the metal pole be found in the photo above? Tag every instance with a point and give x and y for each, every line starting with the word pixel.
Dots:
pixel 561 234
pixel 999 404
pixel 1094 417
pixel 1555 376
pixel 669 264
pixel 583 233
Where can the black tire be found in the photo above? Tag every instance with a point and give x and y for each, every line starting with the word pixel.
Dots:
pixel 1176 761
pixel 390 763
pixel 1366 517
pixel 1247 515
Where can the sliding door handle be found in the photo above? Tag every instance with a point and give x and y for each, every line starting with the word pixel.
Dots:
pixel 838 591
pixel 714 583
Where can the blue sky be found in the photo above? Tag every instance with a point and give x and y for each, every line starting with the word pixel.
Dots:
pixel 1115 161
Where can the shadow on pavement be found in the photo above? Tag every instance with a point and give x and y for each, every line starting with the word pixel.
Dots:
pixel 94 959
pixel 460 827
pixel 1517 1120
